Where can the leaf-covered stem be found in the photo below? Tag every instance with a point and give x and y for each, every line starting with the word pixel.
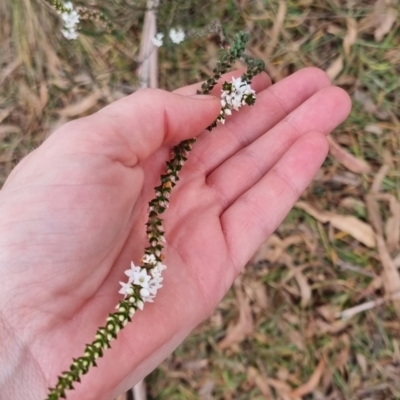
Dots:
pixel 152 266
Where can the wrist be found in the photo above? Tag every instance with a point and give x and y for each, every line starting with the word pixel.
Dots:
pixel 20 376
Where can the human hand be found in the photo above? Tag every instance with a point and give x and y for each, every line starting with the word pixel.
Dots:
pixel 72 217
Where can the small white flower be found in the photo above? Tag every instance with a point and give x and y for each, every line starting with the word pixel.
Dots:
pixel 142 279
pixel 237 83
pixel 148 299
pixel 234 97
pixel 133 273
pixel 155 284
pixel 71 20
pixel 68 5
pixel 126 289
pixel 69 34
pixel 157 40
pixel 177 35
pixel 158 269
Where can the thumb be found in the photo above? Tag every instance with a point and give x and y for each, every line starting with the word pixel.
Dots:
pixel 131 129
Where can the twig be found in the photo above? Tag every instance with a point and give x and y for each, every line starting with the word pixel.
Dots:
pixel 354 268
pixel 139 391
pixel 369 305
pixel 148 56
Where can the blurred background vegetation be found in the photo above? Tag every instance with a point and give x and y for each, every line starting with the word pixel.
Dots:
pixel 315 314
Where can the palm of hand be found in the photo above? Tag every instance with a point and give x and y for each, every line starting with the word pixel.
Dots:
pixel 77 207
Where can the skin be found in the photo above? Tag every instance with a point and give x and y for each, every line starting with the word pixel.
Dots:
pixel 72 217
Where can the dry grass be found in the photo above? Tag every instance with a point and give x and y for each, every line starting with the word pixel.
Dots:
pixel 279 333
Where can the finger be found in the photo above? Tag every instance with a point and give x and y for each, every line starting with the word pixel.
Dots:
pixel 259 82
pixel 259 211
pixel 131 129
pixel 322 113
pixel 242 128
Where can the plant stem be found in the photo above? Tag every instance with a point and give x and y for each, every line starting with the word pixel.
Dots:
pixel 127 307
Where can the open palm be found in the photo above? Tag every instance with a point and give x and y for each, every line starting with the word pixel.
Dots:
pixel 73 212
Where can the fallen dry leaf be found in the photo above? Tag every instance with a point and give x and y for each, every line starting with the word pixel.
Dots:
pixel 335 68
pixel 245 326
pixel 352 163
pixel 351 203
pixel 30 99
pixel 369 105
pixel 260 382
pixel 312 383
pixel 334 29
pixel 346 223
pixel 390 274
pixel 342 359
pixel 206 390
pixel 379 177
pixel 8 70
pixel 268 251
pixel 346 178
pixel 297 339
pixel 351 35
pixel 43 95
pixel 322 328
pixel 362 362
pixel 274 247
pixel 305 288
pixel 281 387
pixel 82 106
pixel 396 261
pixel 374 214
pixel 385 26
pixel 259 294
pixel 296 272
pixel 392 227
pixel 374 129
pixel 328 312
pixel 375 284
pixel 4 113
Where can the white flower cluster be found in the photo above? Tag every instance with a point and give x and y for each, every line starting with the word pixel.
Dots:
pixel 71 20
pixel 148 279
pixel 176 35
pixel 234 95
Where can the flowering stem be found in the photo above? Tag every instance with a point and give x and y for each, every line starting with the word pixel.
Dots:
pixel 72 16
pixel 144 281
